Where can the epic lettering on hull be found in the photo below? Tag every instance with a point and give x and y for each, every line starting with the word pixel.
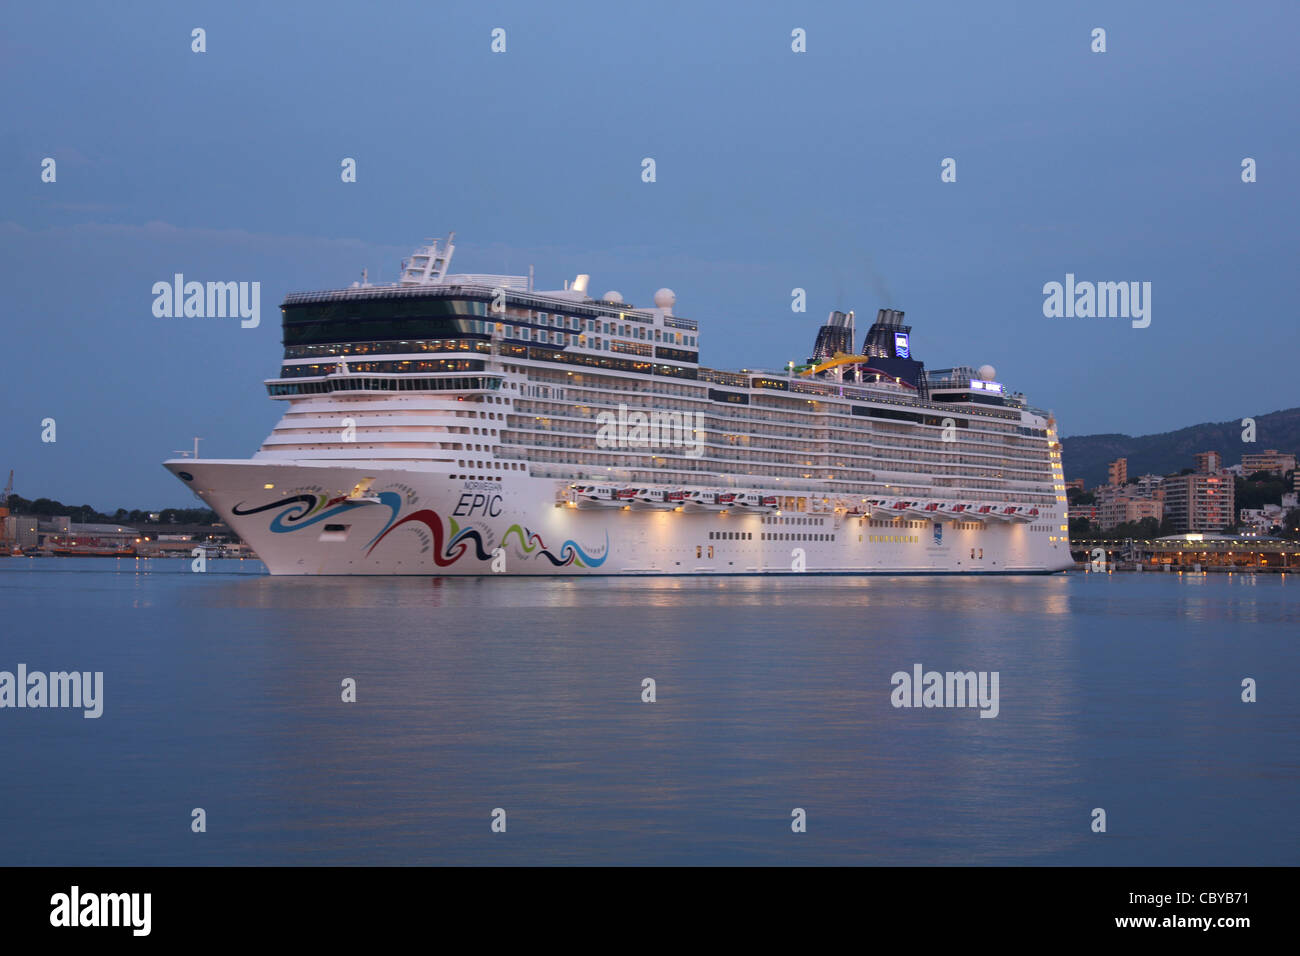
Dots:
pixel 489 506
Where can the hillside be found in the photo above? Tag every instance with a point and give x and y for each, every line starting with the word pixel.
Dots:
pixel 1086 456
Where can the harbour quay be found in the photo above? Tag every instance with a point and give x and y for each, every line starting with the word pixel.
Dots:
pixel 1191 552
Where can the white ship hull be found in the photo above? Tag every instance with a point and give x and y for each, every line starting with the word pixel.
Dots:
pixel 298 519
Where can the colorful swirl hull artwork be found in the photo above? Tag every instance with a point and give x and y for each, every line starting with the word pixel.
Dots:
pixel 450 542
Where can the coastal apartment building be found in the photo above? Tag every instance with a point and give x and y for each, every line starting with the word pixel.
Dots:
pixel 1090 512
pixel 1117 473
pixel 1262 520
pixel 1121 509
pixel 1272 461
pixel 1200 502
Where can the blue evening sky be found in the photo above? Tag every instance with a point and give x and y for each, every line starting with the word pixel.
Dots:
pixel 775 170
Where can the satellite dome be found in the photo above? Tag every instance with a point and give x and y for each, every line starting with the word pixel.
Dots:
pixel 612 297
pixel 665 298
pixel 987 373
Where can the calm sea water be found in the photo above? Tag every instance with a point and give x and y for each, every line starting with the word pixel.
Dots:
pixel 222 691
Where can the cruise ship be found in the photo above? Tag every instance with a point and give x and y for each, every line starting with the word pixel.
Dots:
pixel 469 424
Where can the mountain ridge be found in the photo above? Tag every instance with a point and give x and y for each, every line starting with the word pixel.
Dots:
pixel 1162 453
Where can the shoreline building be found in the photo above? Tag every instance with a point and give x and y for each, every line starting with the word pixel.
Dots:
pixel 1121 501
pixel 1117 473
pixel 1151 486
pixel 1209 463
pixel 1122 509
pixel 1203 500
pixel 1272 461
pixel 1091 513
pixel 1262 520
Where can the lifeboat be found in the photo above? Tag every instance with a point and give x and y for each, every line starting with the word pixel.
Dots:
pixel 903 507
pixel 655 499
pixel 992 512
pixel 881 507
pixel 753 501
pixel 1025 513
pixel 702 499
pixel 596 496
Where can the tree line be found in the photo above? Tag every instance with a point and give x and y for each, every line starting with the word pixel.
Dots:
pixel 85 514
